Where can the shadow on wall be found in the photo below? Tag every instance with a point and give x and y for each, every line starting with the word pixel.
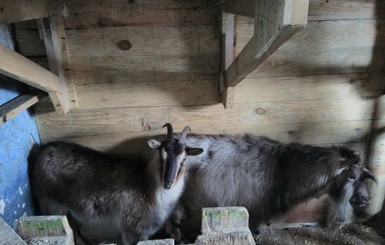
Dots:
pixel 378 190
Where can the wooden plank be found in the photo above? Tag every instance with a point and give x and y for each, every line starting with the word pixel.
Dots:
pixel 140 69
pixel 85 14
pixel 20 68
pixel 143 41
pixel 346 9
pixel 147 94
pixel 264 101
pixel 9 236
pixel 334 87
pixel 240 7
pixel 322 35
pixel 58 58
pixel 340 10
pixel 132 120
pixel 10 109
pixel 359 49
pixel 322 133
pixel 19 10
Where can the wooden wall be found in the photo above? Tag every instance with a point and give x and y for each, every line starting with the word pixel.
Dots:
pixel 138 66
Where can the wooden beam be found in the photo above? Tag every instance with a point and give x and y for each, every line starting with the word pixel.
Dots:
pixel 228 54
pixel 20 10
pixel 240 7
pixel 55 41
pixel 22 69
pixel 10 109
pixel 275 23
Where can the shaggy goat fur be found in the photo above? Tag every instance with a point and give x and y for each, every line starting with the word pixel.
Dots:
pixel 263 175
pixel 101 193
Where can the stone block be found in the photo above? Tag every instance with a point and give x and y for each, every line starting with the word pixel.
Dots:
pixel 9 236
pixel 157 242
pixel 216 219
pixel 48 229
pixel 229 236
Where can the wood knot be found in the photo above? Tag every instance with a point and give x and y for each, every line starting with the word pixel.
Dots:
pixel 124 45
pixel 260 111
pixel 290 132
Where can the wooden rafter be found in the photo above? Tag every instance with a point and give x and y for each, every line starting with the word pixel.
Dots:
pixel 24 70
pixel 275 22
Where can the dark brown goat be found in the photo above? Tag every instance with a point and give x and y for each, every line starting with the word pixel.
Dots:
pixel 101 193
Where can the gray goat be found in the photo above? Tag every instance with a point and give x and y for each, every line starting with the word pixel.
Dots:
pixel 99 192
pixel 348 192
pixel 263 175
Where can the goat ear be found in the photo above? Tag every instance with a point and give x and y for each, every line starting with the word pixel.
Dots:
pixel 368 175
pixel 193 151
pixel 153 143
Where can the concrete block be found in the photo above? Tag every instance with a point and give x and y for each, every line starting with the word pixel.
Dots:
pixel 216 219
pixel 229 236
pixel 48 229
pixel 157 242
pixel 9 236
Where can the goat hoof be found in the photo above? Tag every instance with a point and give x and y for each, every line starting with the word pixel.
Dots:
pixel 257 238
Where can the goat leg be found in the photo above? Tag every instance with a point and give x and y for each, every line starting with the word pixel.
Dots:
pixel 79 239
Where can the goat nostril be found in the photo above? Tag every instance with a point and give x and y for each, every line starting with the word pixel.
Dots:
pixel 167 185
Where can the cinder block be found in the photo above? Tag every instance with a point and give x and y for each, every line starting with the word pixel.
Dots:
pixel 9 236
pixel 48 229
pixel 216 219
pixel 229 236
pixel 157 242
pixel 225 226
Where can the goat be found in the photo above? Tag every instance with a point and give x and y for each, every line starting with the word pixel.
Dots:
pixel 347 193
pixel 97 191
pixel 263 175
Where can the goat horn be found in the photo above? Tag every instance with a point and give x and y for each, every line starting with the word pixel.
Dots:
pixel 183 135
pixel 170 134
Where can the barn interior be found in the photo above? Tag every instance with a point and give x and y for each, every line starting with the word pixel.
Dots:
pixel 123 68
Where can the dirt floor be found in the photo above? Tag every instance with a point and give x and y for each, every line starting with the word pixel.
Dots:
pixel 353 234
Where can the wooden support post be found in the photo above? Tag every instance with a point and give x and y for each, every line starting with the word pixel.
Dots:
pixel 22 69
pixel 52 229
pixel 10 109
pixel 228 54
pixel 55 41
pixel 20 10
pixel 275 23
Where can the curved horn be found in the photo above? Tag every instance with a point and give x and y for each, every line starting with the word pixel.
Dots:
pixel 170 134
pixel 183 135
